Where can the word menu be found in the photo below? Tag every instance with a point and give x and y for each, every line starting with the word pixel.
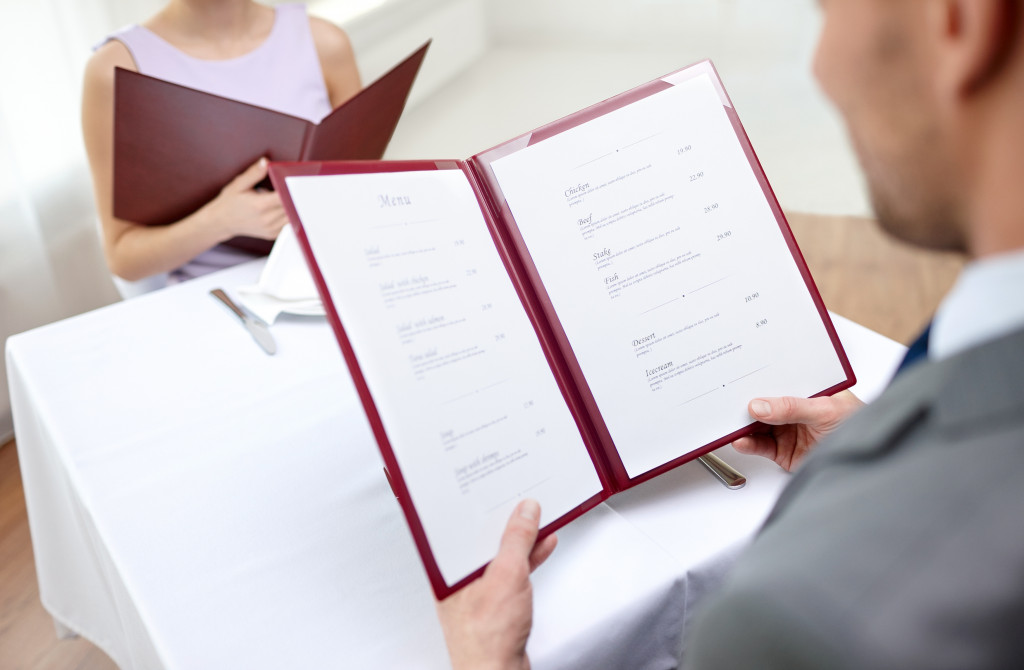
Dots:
pixel 453 364
pixel 565 315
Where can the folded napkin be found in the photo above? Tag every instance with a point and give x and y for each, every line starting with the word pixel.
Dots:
pixel 285 285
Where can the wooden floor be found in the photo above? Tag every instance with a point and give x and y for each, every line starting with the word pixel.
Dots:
pixel 860 272
pixel 868 277
pixel 28 640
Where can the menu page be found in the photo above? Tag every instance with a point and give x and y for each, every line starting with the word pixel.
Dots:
pixel 468 401
pixel 668 272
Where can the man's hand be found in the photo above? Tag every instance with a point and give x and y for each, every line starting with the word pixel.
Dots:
pixel 487 623
pixel 796 425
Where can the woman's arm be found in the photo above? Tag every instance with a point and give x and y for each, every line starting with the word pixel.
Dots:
pixel 134 251
pixel 337 61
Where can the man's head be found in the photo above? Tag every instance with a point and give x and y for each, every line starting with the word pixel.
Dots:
pixel 932 92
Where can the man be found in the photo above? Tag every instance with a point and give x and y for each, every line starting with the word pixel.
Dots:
pixel 900 542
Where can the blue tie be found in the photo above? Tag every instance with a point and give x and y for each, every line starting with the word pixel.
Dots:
pixel 917 351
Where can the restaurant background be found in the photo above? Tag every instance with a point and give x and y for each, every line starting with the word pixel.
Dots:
pixel 496 69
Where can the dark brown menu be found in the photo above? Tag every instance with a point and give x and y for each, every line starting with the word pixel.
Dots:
pixel 175 147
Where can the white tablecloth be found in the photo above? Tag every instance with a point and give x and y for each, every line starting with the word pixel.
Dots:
pixel 195 503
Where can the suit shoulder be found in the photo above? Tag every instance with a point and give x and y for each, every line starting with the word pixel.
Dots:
pixel 909 557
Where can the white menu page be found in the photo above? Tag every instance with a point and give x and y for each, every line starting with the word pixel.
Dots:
pixel 470 406
pixel 668 272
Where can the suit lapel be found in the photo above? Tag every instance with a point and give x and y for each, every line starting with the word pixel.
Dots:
pixel 976 385
pixel 907 398
pixel 981 384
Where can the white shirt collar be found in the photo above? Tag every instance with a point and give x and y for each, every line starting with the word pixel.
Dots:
pixel 986 302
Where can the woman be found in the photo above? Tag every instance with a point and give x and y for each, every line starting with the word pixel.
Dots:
pixel 272 57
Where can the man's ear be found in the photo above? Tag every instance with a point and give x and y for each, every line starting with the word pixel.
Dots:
pixel 973 40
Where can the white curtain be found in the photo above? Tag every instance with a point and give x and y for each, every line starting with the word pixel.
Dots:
pixel 51 266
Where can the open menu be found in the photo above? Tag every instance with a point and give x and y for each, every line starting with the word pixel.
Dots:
pixel 563 316
pixel 176 147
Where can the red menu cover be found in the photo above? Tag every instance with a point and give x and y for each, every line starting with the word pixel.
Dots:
pixel 564 316
pixel 176 147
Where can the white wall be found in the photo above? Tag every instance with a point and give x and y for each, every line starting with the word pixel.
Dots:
pixel 709 26
pixel 395 28
pixel 762 48
pixel 548 58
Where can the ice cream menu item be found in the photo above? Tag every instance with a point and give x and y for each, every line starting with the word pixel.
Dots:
pixel 565 315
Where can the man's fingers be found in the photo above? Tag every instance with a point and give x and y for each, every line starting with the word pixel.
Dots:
pixel 757 445
pixel 542 550
pixel 786 410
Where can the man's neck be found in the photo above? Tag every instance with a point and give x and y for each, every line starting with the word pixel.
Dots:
pixel 994 174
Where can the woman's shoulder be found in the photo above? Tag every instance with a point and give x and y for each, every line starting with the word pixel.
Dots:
pixel 331 42
pixel 99 70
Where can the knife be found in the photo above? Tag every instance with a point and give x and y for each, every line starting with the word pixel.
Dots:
pixel 257 328
pixel 724 472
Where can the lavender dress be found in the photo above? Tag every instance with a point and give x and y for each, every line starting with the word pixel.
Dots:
pixel 282 74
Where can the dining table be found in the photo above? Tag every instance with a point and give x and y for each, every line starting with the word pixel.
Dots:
pixel 197 503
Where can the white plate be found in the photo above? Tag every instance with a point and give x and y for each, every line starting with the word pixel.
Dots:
pixel 306 309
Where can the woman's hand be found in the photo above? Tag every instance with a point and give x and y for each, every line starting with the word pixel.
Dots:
pixel 135 251
pixel 239 209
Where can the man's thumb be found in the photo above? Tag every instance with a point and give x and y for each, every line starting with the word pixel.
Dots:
pixel 521 531
pixel 782 411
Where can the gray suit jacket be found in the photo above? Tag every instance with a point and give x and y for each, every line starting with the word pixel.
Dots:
pixel 900 542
